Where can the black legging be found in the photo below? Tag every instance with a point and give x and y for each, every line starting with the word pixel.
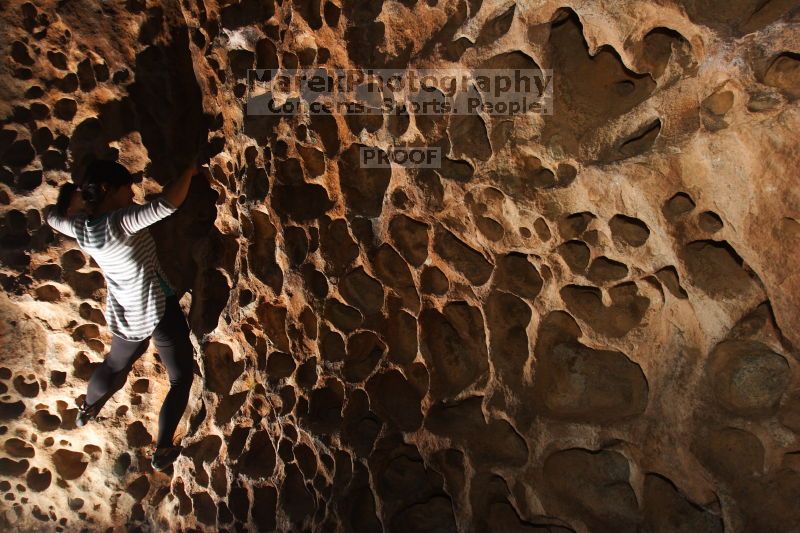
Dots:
pixel 175 350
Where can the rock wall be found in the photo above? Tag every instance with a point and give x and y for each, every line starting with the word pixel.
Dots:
pixel 583 321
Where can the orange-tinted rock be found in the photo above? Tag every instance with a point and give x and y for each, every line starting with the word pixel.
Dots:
pixel 584 320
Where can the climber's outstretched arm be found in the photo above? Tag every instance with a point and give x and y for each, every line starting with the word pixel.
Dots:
pixel 63 224
pixel 176 190
pixel 58 215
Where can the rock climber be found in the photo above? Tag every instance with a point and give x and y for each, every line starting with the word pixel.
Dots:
pixel 101 215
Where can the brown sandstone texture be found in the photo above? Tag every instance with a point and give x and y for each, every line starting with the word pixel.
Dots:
pixel 584 321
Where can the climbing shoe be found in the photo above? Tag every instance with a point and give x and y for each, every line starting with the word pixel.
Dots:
pixel 85 413
pixel 165 456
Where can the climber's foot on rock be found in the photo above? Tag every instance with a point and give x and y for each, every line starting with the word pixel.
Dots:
pixel 86 413
pixel 165 456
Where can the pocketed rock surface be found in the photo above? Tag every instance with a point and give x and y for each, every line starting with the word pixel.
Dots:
pixel 584 321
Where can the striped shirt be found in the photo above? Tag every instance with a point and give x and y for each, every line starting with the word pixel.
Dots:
pixel 122 246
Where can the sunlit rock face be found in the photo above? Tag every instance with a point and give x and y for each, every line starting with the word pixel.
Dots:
pixel 583 321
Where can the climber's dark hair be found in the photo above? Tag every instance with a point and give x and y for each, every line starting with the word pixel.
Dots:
pixel 99 172
pixel 65 197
